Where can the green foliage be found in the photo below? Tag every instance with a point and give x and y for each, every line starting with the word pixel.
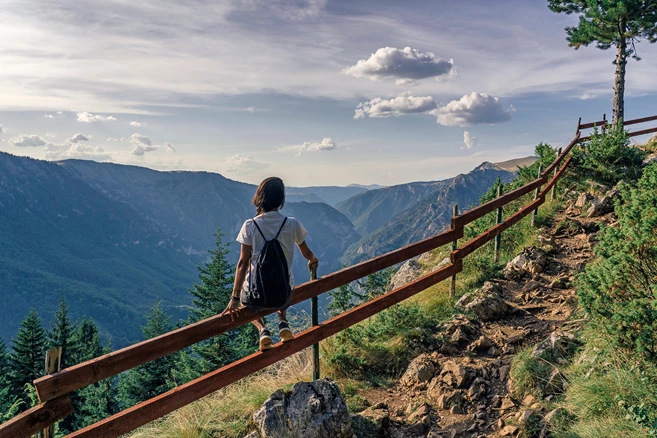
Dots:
pixel 609 23
pixel 620 286
pixel 27 358
pixel 61 332
pixel 152 378
pixel 209 297
pixel 351 295
pixel 608 157
pixel 9 404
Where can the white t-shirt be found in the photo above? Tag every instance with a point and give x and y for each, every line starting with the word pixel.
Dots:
pixel 270 222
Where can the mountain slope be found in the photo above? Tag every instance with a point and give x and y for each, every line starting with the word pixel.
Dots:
pixel 329 194
pixel 113 239
pixel 429 216
pixel 370 210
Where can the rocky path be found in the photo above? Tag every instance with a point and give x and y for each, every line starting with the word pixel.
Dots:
pixel 463 389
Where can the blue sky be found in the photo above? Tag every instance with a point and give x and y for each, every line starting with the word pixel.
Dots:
pixel 319 92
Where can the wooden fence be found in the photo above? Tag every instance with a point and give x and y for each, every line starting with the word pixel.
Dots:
pixel 54 389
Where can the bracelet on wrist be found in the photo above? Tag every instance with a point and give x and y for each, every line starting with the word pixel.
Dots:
pixel 235 298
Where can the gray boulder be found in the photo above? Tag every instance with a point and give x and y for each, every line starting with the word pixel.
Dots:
pixel 409 271
pixel 485 303
pixel 310 410
pixel 582 199
pixel 557 345
pixel 530 261
pixel 421 369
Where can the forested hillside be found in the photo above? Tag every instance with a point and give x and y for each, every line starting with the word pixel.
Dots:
pixel 114 239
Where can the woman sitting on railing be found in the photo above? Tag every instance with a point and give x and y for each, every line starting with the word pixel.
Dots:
pixel 264 278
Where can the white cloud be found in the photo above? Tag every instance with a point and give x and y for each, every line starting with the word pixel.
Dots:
pixel 473 109
pixel 141 150
pixel 469 140
pixel 51 135
pixel 137 124
pixel 239 163
pixel 59 113
pixel 404 65
pixel 117 139
pixel 48 116
pixel 587 96
pixel 139 139
pixel 27 140
pixel 75 150
pixel 169 147
pixel 379 107
pixel 77 138
pixel 325 145
pixel 142 145
pixel 86 117
pixel 2 129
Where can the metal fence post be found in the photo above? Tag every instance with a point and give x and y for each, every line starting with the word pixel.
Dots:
pixel 535 212
pixel 498 238
pixel 452 283
pixel 53 364
pixel 314 309
pixel 553 192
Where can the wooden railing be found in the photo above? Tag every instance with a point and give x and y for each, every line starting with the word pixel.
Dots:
pixel 54 389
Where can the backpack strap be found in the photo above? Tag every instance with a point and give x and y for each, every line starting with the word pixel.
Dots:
pixel 277 234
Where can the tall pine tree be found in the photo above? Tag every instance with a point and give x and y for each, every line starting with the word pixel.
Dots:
pixel 28 355
pixel 84 344
pixel 608 23
pixel 209 297
pixel 155 377
pixel 61 332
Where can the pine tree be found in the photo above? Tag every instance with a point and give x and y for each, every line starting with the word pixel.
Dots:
pixel 607 23
pixel 209 297
pixel 8 402
pixel 155 377
pixel 99 400
pixel 85 344
pixel 61 332
pixel 27 358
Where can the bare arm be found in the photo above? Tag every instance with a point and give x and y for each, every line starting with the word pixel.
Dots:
pixel 240 275
pixel 307 253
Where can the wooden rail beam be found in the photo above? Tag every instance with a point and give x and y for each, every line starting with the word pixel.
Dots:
pixel 37 419
pixel 84 374
pixel 642 120
pixel 482 210
pixel 176 398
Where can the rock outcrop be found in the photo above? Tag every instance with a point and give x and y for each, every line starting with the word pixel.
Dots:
pixel 310 410
pixel 485 302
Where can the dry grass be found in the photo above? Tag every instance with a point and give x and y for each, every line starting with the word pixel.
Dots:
pixel 227 412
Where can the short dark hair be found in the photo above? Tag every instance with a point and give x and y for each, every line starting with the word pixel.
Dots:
pixel 270 195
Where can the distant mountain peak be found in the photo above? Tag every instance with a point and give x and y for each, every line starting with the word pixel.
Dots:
pixel 487 165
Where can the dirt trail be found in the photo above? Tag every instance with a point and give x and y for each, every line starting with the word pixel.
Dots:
pixel 462 389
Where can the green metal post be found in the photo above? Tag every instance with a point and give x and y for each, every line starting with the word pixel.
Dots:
pixel 315 321
pixel 498 238
pixel 452 284
pixel 535 212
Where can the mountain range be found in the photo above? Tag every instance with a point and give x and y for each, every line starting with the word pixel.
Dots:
pixel 113 238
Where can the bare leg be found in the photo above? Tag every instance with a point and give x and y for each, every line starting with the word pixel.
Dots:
pixel 282 315
pixel 259 323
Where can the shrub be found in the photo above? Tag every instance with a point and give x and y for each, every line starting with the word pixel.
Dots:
pixel 620 286
pixel 608 157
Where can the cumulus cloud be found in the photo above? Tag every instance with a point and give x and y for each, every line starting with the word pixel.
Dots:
pixel 86 117
pixel 77 138
pixel 137 124
pixel 117 139
pixel 469 140
pixel 473 109
pixel 48 116
pixel 140 140
pixel 403 65
pixel 239 163
pixel 27 141
pixel 142 145
pixel 396 107
pixel 169 147
pixel 75 150
pixel 326 144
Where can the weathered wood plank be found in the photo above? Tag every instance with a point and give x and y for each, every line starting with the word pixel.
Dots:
pixel 95 370
pixel 163 404
pixel 37 419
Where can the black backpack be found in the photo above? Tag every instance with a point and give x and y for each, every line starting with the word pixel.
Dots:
pixel 269 286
